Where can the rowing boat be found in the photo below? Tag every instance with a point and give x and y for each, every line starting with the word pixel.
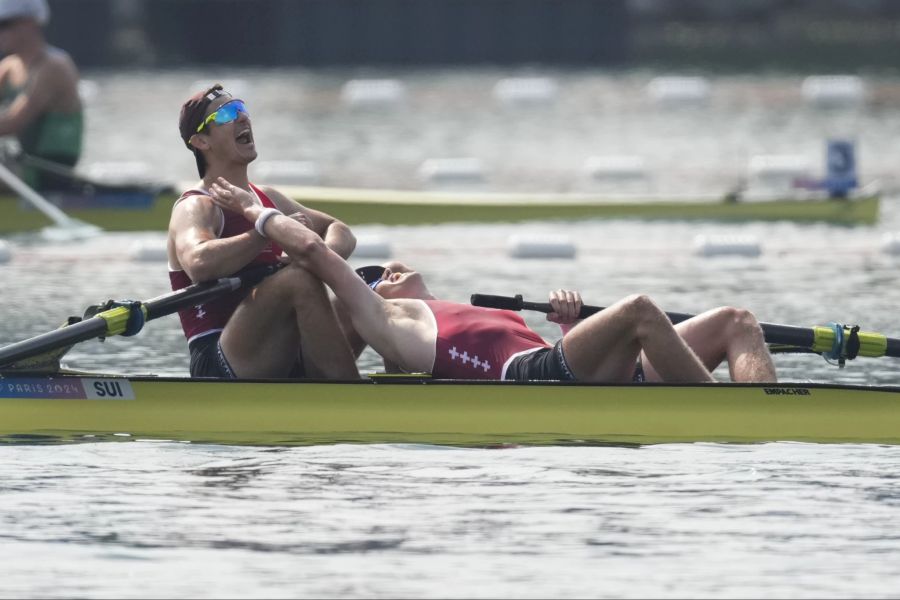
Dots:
pixel 355 206
pixel 135 209
pixel 38 401
pixel 412 410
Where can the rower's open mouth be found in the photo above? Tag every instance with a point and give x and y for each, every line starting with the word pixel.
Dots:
pixel 244 137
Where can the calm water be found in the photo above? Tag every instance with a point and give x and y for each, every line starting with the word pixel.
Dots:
pixel 159 519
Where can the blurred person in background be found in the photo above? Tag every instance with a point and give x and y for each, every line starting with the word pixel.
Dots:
pixel 283 327
pixel 39 88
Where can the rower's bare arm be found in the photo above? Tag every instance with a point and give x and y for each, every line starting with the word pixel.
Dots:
pixel 25 108
pixel 357 344
pixel 49 89
pixel 196 246
pixel 398 330
pixel 336 234
pixel 401 331
pixel 414 333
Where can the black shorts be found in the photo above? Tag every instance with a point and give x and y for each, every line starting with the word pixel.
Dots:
pixel 208 360
pixel 543 364
pixel 549 364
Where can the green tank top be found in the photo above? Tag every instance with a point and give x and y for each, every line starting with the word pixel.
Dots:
pixel 53 136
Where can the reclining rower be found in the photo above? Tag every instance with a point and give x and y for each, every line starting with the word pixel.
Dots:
pixel 414 332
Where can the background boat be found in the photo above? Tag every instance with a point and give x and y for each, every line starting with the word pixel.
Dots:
pixel 357 206
pixel 141 209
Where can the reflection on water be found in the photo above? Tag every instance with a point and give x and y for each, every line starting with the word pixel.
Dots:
pixel 700 520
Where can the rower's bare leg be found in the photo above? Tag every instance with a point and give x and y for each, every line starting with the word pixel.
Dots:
pixel 605 346
pixel 288 313
pixel 730 334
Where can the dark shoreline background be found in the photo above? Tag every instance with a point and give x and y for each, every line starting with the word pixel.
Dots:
pixel 713 35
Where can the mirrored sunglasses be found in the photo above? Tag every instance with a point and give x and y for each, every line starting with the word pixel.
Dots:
pixel 226 113
pixel 372 275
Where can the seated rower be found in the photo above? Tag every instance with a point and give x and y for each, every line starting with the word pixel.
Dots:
pixel 39 87
pixel 285 326
pixel 400 318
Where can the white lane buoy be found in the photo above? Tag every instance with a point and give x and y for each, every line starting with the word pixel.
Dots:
pixel 373 93
pixel 727 245
pixel 525 90
pixel 127 171
pixel 373 246
pixel 544 246
pixel 452 171
pixel 88 89
pixel 834 90
pixel 615 167
pixel 5 251
pixel 671 90
pixel 890 243
pixel 238 88
pixel 148 251
pixel 777 170
pixel 287 172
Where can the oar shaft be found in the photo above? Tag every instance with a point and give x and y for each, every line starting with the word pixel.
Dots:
pixel 42 204
pixel 59 338
pixel 818 339
pixel 776 334
pixel 114 320
pixel 199 293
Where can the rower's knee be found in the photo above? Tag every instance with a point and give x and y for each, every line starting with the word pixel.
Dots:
pixel 643 313
pixel 738 322
pixel 297 283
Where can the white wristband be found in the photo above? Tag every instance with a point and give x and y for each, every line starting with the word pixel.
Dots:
pixel 264 216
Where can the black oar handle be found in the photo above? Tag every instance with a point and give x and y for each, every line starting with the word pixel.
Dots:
pixel 517 303
pixel 775 334
pixel 199 293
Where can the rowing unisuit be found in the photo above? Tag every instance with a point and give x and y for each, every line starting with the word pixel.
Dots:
pixel 475 342
pixel 211 317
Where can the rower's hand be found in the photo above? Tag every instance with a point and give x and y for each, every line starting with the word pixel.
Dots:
pixel 566 306
pixel 301 218
pixel 238 200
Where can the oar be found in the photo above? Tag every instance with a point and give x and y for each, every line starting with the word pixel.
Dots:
pixel 127 317
pixel 90 185
pixel 835 341
pixel 73 227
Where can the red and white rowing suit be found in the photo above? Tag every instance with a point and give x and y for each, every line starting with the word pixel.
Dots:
pixel 477 343
pixel 211 316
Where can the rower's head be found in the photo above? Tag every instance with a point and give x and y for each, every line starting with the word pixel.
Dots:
pixel 216 127
pixel 21 20
pixel 396 280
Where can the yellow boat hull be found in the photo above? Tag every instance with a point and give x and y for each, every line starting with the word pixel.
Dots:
pixel 440 412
